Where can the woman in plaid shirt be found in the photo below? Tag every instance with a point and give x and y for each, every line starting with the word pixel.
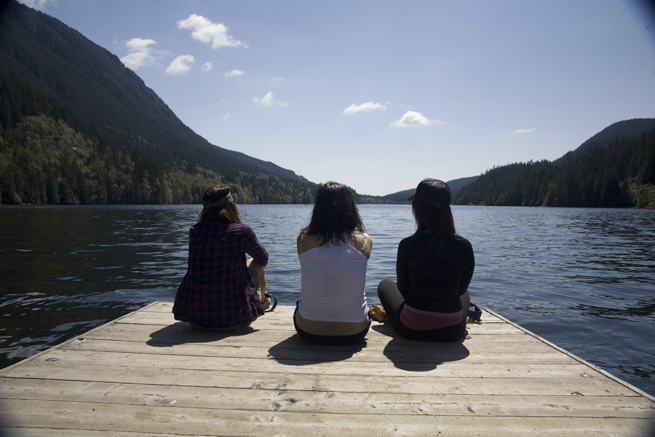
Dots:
pixel 219 290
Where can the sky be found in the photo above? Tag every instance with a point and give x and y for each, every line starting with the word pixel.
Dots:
pixel 379 94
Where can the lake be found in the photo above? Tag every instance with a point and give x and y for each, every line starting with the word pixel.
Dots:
pixel 583 279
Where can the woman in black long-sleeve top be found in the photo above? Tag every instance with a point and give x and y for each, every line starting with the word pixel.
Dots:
pixel 430 299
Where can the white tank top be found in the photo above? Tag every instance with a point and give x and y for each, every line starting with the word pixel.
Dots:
pixel 332 284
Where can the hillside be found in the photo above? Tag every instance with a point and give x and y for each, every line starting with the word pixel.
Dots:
pixel 615 168
pixel 625 130
pixel 77 126
pixel 455 185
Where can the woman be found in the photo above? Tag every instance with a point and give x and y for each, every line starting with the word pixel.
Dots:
pixel 434 267
pixel 219 290
pixel 333 252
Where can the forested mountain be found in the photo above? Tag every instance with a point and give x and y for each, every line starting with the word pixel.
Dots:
pixel 616 168
pixel 455 185
pixel 77 126
pixel 623 130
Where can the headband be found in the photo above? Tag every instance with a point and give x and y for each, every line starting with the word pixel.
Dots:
pixel 223 201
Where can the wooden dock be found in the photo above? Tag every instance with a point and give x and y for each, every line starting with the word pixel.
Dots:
pixel 147 375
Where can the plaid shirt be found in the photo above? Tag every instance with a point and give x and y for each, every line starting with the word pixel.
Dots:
pixel 217 290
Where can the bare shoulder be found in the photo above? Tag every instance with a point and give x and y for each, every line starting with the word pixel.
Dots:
pixel 307 242
pixel 362 242
pixel 361 236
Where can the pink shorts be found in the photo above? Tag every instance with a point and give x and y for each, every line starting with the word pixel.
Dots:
pixel 423 320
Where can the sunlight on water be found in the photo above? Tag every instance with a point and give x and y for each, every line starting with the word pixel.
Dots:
pixel 582 278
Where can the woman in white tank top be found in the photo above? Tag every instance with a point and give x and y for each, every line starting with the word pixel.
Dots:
pixel 333 252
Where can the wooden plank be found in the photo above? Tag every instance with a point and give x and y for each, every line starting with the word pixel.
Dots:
pixel 180 332
pixel 410 383
pixel 160 314
pixel 440 404
pixel 54 432
pixel 327 365
pixel 193 421
pixel 530 353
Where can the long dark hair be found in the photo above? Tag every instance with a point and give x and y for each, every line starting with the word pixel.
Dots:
pixel 335 214
pixel 225 213
pixel 434 220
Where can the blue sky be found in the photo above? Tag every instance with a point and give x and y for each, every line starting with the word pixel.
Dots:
pixel 379 94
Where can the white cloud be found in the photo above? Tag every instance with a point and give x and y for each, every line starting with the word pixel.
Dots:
pixel 523 131
pixel 268 100
pixel 181 65
pixel 141 53
pixel 411 119
pixel 226 116
pixel 207 32
pixel 233 73
pixel 207 66
pixel 365 107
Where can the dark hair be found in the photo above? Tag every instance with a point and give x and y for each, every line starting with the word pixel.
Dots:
pixel 227 212
pixel 335 214
pixel 434 220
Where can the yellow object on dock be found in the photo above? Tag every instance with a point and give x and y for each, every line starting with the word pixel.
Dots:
pixel 146 374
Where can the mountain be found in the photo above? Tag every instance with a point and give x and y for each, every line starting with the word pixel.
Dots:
pixel 455 185
pixel 614 168
pixel 625 130
pixel 266 166
pixel 77 126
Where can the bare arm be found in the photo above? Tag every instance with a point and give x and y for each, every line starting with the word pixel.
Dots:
pixel 255 265
pixel 466 303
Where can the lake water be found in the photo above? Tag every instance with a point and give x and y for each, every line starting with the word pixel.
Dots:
pixel 582 278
